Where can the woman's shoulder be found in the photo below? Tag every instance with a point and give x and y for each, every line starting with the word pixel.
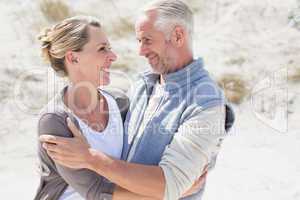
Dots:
pixel 55 123
pixel 52 119
pixel 53 108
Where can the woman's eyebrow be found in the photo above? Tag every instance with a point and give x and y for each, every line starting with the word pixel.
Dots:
pixel 103 44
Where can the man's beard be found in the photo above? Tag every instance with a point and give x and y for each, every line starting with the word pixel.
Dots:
pixel 162 67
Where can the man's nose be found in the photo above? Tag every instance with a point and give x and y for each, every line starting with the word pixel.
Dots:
pixel 143 50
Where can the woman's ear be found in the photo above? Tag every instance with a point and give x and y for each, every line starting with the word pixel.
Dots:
pixel 71 58
pixel 178 36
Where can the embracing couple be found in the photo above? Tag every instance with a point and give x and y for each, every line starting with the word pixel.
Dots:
pixel 157 144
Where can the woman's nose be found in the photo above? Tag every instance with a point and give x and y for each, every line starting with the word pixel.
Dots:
pixel 113 56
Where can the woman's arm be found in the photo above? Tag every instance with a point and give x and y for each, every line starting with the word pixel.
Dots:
pixel 87 183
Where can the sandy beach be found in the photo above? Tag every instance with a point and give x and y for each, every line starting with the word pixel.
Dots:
pixel 252 39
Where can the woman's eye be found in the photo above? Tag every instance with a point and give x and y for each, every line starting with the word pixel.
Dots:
pixel 101 49
pixel 106 49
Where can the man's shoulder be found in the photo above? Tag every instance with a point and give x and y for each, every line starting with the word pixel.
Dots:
pixel 205 93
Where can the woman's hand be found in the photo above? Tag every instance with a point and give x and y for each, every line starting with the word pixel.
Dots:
pixel 199 183
pixel 70 152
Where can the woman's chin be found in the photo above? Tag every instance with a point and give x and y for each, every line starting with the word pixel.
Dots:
pixel 104 82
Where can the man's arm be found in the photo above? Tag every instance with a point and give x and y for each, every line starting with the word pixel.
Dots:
pixel 145 180
pixel 193 147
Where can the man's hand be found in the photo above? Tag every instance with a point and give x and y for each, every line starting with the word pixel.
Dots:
pixel 199 183
pixel 70 152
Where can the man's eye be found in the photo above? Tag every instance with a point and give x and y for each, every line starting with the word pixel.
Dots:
pixel 147 41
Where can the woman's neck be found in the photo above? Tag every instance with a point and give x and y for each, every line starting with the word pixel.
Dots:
pixel 82 98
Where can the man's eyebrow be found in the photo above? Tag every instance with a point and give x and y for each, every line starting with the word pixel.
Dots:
pixel 144 37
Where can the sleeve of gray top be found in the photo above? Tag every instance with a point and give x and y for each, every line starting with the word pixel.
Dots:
pixel 194 146
pixel 87 183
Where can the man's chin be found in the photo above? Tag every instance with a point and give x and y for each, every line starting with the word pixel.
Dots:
pixel 156 69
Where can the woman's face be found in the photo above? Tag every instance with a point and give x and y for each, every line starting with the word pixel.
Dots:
pixel 95 59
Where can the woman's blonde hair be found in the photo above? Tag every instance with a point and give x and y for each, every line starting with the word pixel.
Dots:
pixel 69 34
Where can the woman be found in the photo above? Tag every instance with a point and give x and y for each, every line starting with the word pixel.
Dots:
pixel 78 48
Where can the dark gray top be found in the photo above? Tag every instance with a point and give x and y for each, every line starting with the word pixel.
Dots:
pixel 54 177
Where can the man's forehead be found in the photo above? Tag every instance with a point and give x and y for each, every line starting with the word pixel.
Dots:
pixel 144 30
pixel 143 25
pixel 146 20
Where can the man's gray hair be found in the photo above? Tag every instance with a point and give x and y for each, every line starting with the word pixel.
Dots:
pixel 171 13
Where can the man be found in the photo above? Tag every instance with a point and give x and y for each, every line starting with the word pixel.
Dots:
pixel 175 123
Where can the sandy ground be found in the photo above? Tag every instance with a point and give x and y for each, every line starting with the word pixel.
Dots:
pixel 258 160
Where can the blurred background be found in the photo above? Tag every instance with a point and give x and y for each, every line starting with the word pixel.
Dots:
pixel 250 47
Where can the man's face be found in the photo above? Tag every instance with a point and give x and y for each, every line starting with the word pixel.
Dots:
pixel 153 44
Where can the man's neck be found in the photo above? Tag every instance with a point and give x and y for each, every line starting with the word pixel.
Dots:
pixel 180 65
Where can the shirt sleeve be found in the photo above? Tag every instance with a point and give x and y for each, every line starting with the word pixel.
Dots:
pixel 195 145
pixel 87 183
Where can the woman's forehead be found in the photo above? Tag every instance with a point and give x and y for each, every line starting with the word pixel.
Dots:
pixel 96 35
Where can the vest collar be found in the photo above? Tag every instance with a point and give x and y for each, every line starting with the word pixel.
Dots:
pixel 176 80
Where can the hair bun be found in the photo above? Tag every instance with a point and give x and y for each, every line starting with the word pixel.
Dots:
pixel 44 37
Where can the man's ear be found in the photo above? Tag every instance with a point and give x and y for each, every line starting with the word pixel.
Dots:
pixel 71 57
pixel 178 36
